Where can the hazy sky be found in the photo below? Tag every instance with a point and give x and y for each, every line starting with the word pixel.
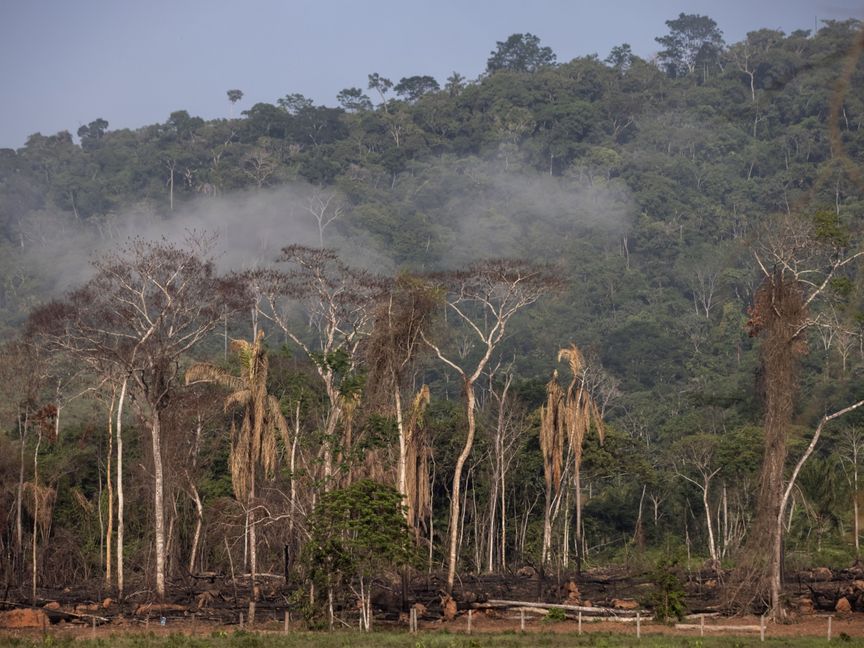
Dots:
pixel 63 63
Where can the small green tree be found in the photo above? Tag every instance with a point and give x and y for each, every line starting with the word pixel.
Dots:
pixel 668 596
pixel 356 533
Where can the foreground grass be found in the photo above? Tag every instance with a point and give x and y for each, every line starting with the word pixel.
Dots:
pixel 423 640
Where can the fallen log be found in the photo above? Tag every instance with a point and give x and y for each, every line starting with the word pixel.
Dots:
pixel 699 615
pixel 542 612
pixel 717 628
pixel 584 609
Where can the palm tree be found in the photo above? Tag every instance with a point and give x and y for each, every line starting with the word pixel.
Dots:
pixel 566 419
pixel 253 445
pixel 579 412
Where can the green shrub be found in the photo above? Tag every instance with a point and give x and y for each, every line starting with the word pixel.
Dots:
pixel 668 597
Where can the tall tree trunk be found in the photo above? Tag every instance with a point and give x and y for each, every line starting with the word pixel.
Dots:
pixel 491 539
pixel 577 481
pixel 199 520
pixel 457 483
pixel 856 522
pixel 401 484
pixel 292 469
pixel 23 422
pixel 120 518
pixel 331 424
pixel 503 555
pixel 110 531
pixel 712 546
pixel 547 527
pixel 253 545
pixel 158 503
pixel 778 313
pixel 34 561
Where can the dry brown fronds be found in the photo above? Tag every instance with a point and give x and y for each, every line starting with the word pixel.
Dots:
pixel 417 452
pixel 551 435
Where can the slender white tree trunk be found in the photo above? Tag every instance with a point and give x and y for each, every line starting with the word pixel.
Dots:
pixel 577 480
pixel 199 520
pixel 35 563
pixel 158 503
pixel 120 518
pixel 110 530
pixel 503 556
pixel 403 448
pixel 23 423
pixel 457 484
pixel 253 547
pixel 712 546
pixel 292 468
pixel 547 528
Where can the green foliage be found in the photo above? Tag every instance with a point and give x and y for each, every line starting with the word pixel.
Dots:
pixel 555 615
pixel 693 41
pixel 520 53
pixel 829 229
pixel 668 596
pixel 646 189
pixel 358 531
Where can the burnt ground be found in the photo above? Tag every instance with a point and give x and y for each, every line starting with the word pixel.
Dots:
pixel 211 602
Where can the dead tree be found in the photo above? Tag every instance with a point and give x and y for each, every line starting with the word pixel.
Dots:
pixel 337 303
pixel 402 314
pixel 254 444
pixel 565 422
pixel 695 454
pixel 799 258
pixel 146 306
pixel 482 300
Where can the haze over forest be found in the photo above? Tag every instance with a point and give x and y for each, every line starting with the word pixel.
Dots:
pixel 568 313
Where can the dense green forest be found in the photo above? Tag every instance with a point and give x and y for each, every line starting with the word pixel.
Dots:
pixel 400 276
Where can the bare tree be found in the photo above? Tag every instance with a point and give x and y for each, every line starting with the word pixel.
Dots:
pixel 506 431
pixel 326 206
pixel 852 443
pixel 337 302
pixel 400 318
pixel 146 306
pixel 696 454
pixel 483 299
pixel 22 378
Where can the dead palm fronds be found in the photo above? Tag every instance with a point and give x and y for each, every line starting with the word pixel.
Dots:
pixel 579 408
pixel 552 435
pixel 417 450
pixel 566 418
pixel 254 443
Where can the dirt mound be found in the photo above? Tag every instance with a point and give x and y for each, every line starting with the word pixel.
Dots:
pixel 23 618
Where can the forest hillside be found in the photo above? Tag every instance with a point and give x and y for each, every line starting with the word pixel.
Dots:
pixel 567 314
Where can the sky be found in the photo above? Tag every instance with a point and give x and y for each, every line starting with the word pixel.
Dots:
pixel 64 63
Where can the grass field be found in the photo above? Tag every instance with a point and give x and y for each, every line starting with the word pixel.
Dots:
pixel 423 640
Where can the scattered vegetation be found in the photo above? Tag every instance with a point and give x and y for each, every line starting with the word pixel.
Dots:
pixel 179 410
